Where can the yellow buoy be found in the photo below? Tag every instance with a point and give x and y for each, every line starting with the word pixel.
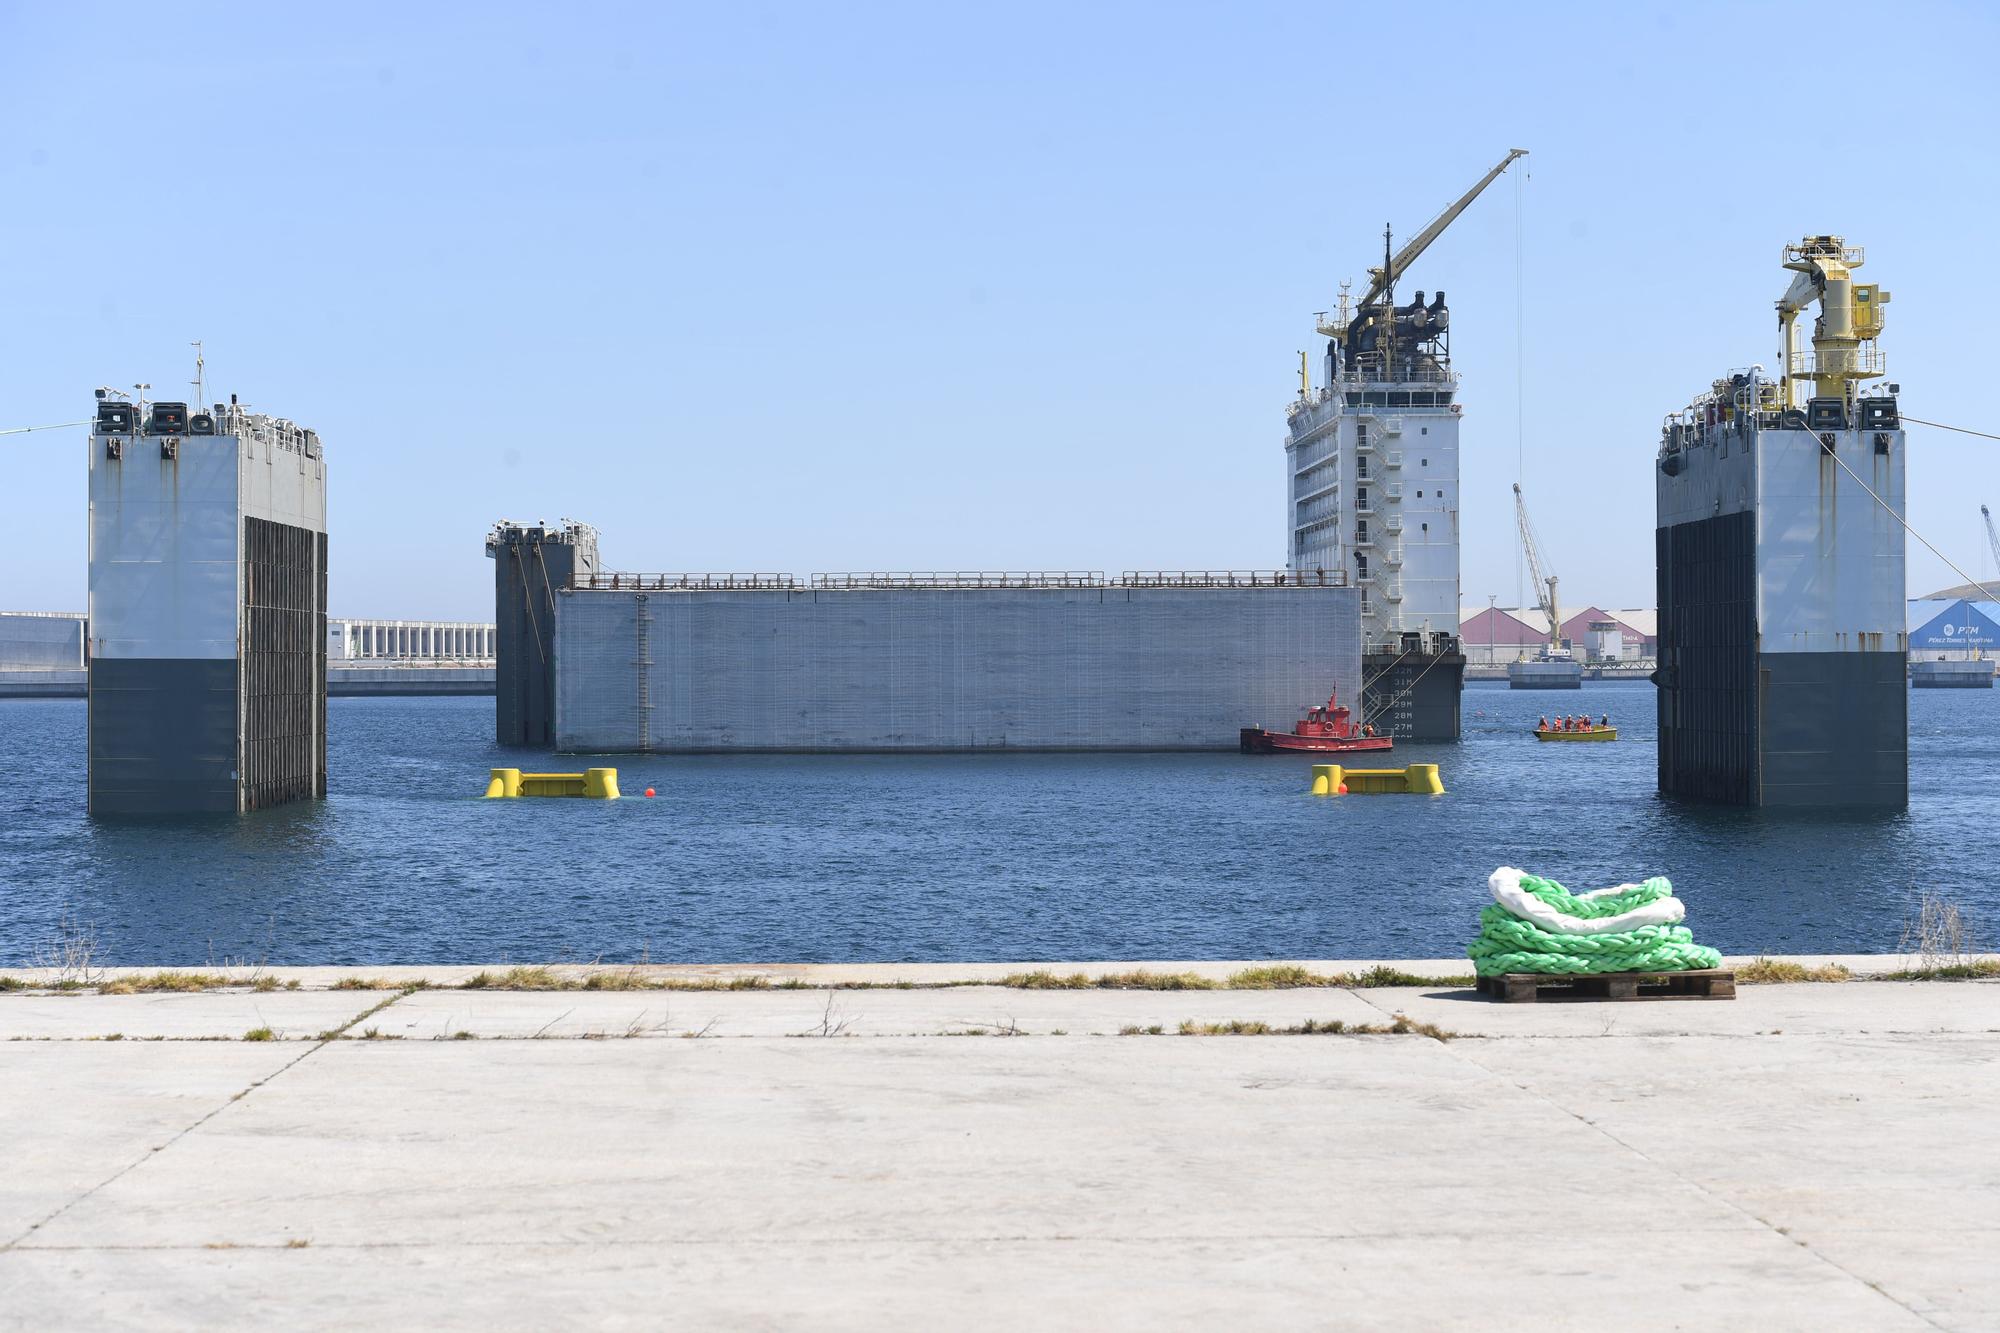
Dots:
pixel 601 783
pixel 1420 779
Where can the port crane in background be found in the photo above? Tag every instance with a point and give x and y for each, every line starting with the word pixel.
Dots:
pixel 1545 583
pixel 1992 538
pixel 1382 281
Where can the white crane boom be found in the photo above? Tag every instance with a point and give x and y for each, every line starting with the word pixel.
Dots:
pixel 1545 584
pixel 1992 538
pixel 1382 279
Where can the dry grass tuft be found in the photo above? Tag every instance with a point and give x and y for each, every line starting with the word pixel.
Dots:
pixel 1278 976
pixel 1402 1025
pixel 260 1034
pixel 1972 969
pixel 1383 975
pixel 1045 980
pixel 522 978
pixel 1235 1027
pixel 1140 980
pixel 166 981
pixel 625 979
pixel 1768 971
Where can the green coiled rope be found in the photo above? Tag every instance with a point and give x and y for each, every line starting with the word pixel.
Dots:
pixel 1506 943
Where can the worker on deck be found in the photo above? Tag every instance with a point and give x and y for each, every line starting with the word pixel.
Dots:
pixel 1604 721
pixel 1544 724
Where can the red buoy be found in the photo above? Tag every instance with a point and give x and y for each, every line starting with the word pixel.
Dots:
pixel 649 793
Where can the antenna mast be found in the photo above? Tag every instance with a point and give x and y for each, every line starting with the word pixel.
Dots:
pixel 200 380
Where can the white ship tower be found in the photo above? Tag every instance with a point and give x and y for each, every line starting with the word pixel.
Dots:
pixel 1371 461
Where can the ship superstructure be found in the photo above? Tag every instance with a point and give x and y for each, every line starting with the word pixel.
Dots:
pixel 1780 542
pixel 206 648
pixel 1371 464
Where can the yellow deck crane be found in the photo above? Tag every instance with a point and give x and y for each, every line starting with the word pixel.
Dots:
pixel 1850 319
pixel 1545 584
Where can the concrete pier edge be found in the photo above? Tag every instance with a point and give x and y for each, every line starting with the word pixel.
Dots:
pixel 322 976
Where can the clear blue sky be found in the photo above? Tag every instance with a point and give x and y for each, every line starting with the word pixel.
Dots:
pixel 814 287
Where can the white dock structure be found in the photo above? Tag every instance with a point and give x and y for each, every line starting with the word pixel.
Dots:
pixel 462 641
pixel 42 656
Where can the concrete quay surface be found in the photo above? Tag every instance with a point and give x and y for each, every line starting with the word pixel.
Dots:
pixel 1803 1157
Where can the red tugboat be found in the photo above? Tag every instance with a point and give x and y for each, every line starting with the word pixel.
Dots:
pixel 1321 731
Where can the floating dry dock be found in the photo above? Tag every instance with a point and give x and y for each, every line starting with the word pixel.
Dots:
pixel 928 662
pixel 207 620
pixel 1783 626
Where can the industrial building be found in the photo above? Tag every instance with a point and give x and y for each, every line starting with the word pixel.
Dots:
pixel 1495 636
pixel 463 642
pixel 206 658
pixel 1953 643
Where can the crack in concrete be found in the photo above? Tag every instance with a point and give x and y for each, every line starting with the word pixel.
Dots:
pixel 816 1242
pixel 16 1243
pixel 1778 1232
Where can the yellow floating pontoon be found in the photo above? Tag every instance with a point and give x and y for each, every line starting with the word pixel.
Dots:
pixel 601 783
pixel 1335 780
pixel 1593 734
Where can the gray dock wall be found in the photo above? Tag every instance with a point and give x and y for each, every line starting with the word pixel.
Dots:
pixel 1100 668
pixel 31 641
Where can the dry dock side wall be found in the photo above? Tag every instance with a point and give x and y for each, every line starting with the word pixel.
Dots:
pixel 1100 668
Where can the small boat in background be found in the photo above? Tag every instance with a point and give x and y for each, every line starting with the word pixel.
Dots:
pixel 1327 730
pixel 1581 734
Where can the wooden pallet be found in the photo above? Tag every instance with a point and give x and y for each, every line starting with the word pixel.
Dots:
pixel 1528 987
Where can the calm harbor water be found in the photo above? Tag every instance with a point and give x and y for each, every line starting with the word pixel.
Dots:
pixel 939 858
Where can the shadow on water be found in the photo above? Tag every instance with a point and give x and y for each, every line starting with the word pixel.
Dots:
pixel 959 857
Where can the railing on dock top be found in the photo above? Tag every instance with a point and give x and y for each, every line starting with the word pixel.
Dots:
pixel 684 582
pixel 963 578
pixel 1234 578
pixel 971 579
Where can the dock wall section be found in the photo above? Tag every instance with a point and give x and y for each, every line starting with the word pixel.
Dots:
pixel 937 669
pixel 41 641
